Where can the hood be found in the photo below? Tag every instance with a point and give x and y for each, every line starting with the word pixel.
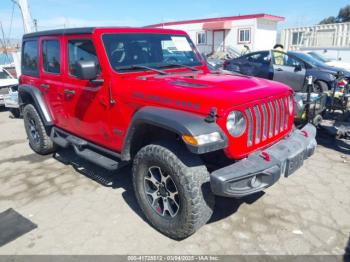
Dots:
pixel 8 82
pixel 339 64
pixel 333 70
pixel 199 92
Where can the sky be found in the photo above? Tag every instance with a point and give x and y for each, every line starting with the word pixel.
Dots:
pixel 76 13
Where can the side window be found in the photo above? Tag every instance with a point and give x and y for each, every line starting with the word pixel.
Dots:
pixel 261 58
pixel 80 50
pixel 283 59
pixel 30 58
pixel 201 40
pixel 51 56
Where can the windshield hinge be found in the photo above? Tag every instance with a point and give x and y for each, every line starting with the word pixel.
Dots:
pixel 213 114
pixel 110 93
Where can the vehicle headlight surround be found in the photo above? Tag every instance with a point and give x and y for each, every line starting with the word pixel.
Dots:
pixel 236 123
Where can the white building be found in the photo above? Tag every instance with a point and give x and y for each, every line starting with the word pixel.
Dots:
pixel 317 36
pixel 330 40
pixel 258 31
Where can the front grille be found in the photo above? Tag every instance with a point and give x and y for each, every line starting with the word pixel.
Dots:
pixel 266 120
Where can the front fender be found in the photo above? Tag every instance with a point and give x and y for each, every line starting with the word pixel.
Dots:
pixel 176 121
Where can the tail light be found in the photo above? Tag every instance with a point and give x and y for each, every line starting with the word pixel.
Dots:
pixel 20 80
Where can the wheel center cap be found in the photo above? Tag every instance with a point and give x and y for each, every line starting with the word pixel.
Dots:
pixel 162 190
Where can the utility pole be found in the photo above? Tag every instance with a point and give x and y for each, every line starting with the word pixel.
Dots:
pixel 28 23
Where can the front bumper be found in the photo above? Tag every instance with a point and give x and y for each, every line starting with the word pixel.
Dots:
pixel 262 169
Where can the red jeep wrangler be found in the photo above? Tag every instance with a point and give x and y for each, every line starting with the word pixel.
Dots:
pixel 146 96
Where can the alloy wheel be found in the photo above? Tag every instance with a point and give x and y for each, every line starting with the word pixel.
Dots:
pixel 161 192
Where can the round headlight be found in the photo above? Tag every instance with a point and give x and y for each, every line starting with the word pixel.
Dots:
pixel 236 123
pixel 290 104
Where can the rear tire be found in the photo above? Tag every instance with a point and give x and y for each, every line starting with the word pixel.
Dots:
pixel 190 202
pixel 39 141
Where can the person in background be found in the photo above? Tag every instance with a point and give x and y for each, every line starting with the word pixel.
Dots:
pixel 245 50
pixel 278 56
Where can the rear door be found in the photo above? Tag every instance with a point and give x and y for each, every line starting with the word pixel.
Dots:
pixel 50 61
pixel 288 70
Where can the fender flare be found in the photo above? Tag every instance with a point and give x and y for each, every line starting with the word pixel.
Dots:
pixel 28 91
pixel 176 121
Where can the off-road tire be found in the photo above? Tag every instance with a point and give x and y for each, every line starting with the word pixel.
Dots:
pixel 192 181
pixel 44 145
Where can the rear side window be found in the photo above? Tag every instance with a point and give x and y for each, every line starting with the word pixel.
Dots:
pixel 51 56
pixel 30 58
pixel 80 50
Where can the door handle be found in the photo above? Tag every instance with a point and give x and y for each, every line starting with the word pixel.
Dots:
pixel 279 69
pixel 69 92
pixel 45 86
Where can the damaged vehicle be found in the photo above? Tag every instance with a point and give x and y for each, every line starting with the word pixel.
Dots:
pixel 290 68
pixel 114 97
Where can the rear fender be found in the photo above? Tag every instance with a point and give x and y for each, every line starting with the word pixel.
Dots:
pixel 28 94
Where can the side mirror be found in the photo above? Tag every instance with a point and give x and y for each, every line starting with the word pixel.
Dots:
pixel 86 70
pixel 298 68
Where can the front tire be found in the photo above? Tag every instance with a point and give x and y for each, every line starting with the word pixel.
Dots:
pixel 320 87
pixel 172 188
pixel 39 141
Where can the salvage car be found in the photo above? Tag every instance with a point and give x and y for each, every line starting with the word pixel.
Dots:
pixel 329 61
pixel 111 95
pixel 6 82
pixel 290 68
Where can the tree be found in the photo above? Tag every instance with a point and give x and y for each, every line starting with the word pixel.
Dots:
pixel 329 20
pixel 344 14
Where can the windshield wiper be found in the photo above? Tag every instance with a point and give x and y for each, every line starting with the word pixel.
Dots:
pixel 181 65
pixel 142 67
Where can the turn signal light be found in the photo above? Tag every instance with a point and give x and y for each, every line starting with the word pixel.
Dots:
pixel 190 140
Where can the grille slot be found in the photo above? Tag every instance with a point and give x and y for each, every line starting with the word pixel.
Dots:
pixel 250 127
pixel 266 122
pixel 282 115
pixel 257 124
pixel 270 119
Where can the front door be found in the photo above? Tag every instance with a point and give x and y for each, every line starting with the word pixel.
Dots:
pixel 218 40
pixel 288 70
pixel 86 103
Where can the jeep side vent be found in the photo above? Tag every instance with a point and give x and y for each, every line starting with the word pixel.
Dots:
pixel 267 120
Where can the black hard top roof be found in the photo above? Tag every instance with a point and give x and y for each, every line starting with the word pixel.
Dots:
pixel 65 31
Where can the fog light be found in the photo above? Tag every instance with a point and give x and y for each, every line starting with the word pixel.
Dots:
pixel 255 182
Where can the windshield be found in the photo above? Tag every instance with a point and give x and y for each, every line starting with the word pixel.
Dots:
pixel 125 51
pixel 4 75
pixel 309 59
pixel 319 57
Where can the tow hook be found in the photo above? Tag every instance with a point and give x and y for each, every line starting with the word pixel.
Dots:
pixel 266 156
